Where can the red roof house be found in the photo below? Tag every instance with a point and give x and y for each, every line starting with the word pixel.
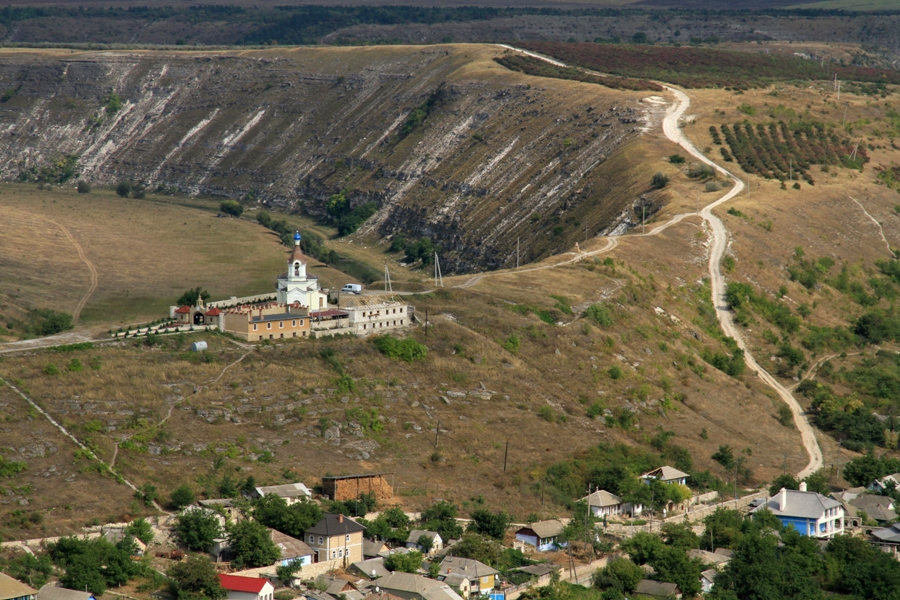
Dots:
pixel 246 588
pixel 182 310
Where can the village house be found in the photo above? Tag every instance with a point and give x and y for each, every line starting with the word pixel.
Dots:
pixel 374 548
pixel 246 588
pixel 709 559
pixel 885 483
pixel 336 537
pixel 665 474
pixel 887 539
pixel 371 568
pixel 542 535
pixel 13 589
pixel 292 549
pixel 414 541
pixel 810 513
pixel 415 587
pixel 289 492
pixel 482 578
pixel 605 504
pixel 52 592
pixel 708 580
pixel 224 506
pixel 365 317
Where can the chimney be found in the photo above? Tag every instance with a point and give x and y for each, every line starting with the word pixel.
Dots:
pixel 782 499
pixel 802 486
pixel 340 518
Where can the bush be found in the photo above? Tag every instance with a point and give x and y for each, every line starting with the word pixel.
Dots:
pixel 124 189
pixel 51 369
pixel 231 207
pixel 83 187
pixel 408 349
pixel 659 181
pixel 546 413
pixel 676 159
pixel 599 314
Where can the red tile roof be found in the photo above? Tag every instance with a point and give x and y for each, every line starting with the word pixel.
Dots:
pixel 235 583
pixel 183 309
pixel 213 312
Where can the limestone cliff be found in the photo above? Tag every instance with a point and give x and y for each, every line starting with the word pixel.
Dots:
pixel 490 156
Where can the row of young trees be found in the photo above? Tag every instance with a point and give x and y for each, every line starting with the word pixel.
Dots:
pixel 779 151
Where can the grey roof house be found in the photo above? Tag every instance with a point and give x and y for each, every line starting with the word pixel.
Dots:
pixel 810 513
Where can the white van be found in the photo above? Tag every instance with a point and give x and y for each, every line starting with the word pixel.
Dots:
pixel 352 288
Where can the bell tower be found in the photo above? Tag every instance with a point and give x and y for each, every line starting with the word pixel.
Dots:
pixel 297 262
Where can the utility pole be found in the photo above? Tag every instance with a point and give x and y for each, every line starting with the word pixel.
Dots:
pixel 505 455
pixel 517 253
pixel 438 278
pixel 437 433
pixel 388 286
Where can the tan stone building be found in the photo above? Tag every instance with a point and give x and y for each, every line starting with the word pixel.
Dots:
pixel 336 538
pixel 267 322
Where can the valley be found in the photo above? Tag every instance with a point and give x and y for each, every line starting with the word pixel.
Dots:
pixel 681 296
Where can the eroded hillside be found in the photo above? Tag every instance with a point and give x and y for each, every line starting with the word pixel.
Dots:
pixel 447 143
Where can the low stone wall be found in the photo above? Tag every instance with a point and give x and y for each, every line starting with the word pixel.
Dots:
pixel 235 301
pixel 307 572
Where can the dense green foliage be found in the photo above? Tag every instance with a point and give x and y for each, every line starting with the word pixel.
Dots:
pixel 348 218
pixel 776 563
pixel 190 297
pixel 141 529
pixel 846 416
pixel 407 349
pixel 669 558
pixel 406 562
pixel 273 511
pixel 197 528
pixel 441 517
pixel 231 207
pixel 421 112
pixel 252 545
pixel 489 551
pixel 11 468
pixel 864 470
pixel 94 564
pixel 491 524
pixel 742 297
pixel 391 524
pixel 196 579
pixel 615 468
pixel 182 496
pixel 33 568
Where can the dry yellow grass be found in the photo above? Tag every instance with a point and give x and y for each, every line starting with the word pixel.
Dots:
pixel 146 253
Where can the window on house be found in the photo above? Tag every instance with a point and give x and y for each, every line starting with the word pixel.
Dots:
pixel 254 327
pixel 294 323
pixel 268 326
pixel 311 538
pixel 333 554
pixel 347 538
pixel 301 322
pixel 320 540
pixel 280 324
pixel 341 553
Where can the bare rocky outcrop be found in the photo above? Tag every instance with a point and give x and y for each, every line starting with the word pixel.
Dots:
pixel 497 159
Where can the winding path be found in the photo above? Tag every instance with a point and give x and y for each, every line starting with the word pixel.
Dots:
pixel 877 224
pixel 717 251
pixel 94 275
pixel 719 244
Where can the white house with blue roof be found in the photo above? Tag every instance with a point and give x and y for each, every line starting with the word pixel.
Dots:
pixel 810 513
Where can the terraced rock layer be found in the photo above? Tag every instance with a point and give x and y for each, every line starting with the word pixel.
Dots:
pixel 501 156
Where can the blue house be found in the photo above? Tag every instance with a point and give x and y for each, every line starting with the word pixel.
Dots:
pixel 810 513
pixel 543 535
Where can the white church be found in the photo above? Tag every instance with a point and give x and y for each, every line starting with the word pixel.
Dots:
pixel 297 286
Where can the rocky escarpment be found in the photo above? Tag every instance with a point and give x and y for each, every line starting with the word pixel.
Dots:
pixel 489 158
